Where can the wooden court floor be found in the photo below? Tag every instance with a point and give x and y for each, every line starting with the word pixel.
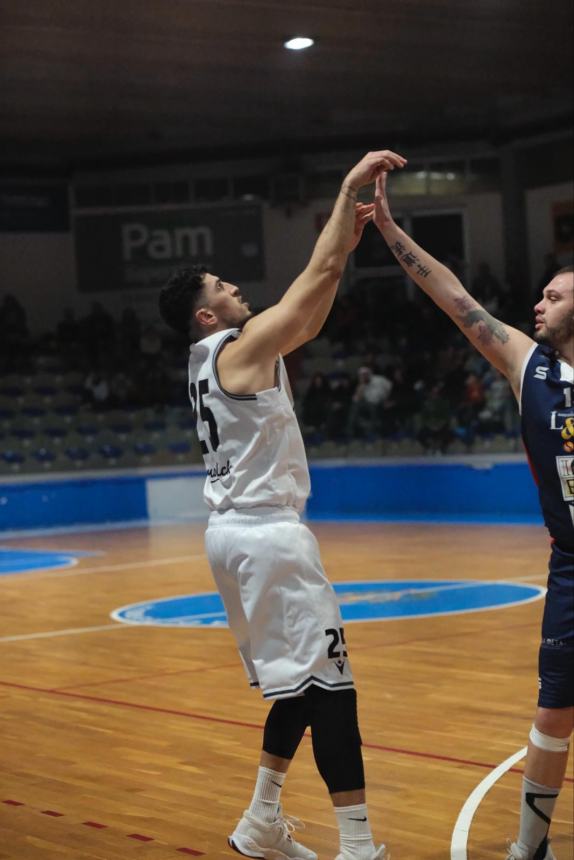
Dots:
pixel 121 741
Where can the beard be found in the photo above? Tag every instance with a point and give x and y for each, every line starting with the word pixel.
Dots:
pixel 556 337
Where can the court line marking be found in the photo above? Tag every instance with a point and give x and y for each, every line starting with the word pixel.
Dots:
pixel 69 631
pixel 96 825
pixel 128 565
pixel 222 720
pixel 220 614
pixel 464 821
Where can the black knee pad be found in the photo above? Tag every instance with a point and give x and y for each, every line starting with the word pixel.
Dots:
pixel 285 726
pixel 336 738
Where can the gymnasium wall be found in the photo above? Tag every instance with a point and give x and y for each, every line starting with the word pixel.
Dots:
pixel 540 210
pixel 40 267
pixel 497 488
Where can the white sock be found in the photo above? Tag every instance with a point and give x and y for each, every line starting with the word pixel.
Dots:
pixel 538 803
pixel 265 801
pixel 355 835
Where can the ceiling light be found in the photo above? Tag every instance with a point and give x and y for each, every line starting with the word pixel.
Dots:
pixel 298 43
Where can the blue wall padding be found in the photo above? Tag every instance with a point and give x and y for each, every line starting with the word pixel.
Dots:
pixel 75 502
pixel 415 489
pixel 420 489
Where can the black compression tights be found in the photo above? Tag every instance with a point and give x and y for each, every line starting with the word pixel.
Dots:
pixel 332 717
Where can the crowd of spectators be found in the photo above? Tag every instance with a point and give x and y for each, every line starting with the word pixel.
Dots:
pixel 123 362
pixel 392 366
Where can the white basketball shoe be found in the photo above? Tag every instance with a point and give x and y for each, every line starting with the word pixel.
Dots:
pixel 255 838
pixel 380 854
pixel 516 853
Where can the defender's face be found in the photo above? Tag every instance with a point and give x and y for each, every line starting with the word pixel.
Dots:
pixel 223 303
pixel 554 313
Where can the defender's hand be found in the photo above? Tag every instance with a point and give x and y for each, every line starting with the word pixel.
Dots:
pixel 371 166
pixel 382 216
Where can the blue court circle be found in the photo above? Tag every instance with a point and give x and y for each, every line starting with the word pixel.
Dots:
pixel 359 601
pixel 26 560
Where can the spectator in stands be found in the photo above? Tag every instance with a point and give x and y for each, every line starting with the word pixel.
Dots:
pixel 68 334
pixel 486 289
pixel 341 397
pixel 474 393
pixel 434 422
pixel 498 414
pixel 98 332
pixel 151 342
pixel 97 390
pixel 129 333
pixel 13 333
pixel 400 405
pixel 316 407
pixel 122 390
pixel 366 406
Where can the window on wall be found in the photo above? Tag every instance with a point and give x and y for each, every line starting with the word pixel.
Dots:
pixel 442 235
pixel 447 177
pixel 372 251
pixel 484 174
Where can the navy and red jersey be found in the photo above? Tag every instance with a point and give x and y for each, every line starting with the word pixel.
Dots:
pixel 547 410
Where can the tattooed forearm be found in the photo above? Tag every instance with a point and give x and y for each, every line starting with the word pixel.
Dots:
pixel 489 328
pixel 410 260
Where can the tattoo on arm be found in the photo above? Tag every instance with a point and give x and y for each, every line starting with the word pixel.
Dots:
pixel 348 191
pixel 410 260
pixel 489 328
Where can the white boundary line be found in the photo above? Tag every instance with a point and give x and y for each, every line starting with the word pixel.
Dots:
pixel 541 591
pixel 461 830
pixel 70 631
pixel 105 568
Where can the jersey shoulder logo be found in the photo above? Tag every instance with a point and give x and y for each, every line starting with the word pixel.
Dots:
pixel 541 372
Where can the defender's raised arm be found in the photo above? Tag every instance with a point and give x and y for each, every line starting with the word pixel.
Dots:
pixel 505 347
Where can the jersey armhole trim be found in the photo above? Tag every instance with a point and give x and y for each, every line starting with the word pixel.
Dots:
pixel 527 358
pixel 223 390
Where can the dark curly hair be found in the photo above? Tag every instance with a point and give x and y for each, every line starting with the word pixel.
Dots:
pixel 179 298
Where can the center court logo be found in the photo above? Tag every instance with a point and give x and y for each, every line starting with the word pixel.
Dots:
pixel 359 601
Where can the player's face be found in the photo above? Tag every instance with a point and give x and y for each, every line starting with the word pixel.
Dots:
pixel 554 313
pixel 225 302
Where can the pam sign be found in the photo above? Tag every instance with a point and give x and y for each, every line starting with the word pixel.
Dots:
pixel 139 248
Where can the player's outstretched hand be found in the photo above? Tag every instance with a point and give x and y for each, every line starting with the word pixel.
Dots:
pixel 382 216
pixel 369 167
pixel 363 214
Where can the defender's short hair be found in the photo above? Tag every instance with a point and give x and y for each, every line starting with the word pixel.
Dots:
pixel 179 298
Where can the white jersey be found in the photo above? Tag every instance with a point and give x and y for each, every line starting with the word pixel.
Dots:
pixel 251 443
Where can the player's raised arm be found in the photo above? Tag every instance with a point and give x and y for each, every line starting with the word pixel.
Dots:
pixel 504 346
pixel 277 329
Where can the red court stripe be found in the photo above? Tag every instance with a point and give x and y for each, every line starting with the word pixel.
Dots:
pixel 131 678
pixel 135 705
pixel 190 851
pixel 140 837
pixel 94 824
pixel 220 720
pixel 52 813
pixel 13 803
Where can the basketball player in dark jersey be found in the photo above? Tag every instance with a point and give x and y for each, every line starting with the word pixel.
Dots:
pixel 540 372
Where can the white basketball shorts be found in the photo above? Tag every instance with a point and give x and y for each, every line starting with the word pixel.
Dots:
pixel 281 607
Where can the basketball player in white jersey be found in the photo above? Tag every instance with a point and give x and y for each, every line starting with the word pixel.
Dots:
pixel 281 608
pixel 541 373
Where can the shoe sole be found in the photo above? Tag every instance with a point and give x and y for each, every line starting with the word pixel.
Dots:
pixel 271 853
pixel 235 848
